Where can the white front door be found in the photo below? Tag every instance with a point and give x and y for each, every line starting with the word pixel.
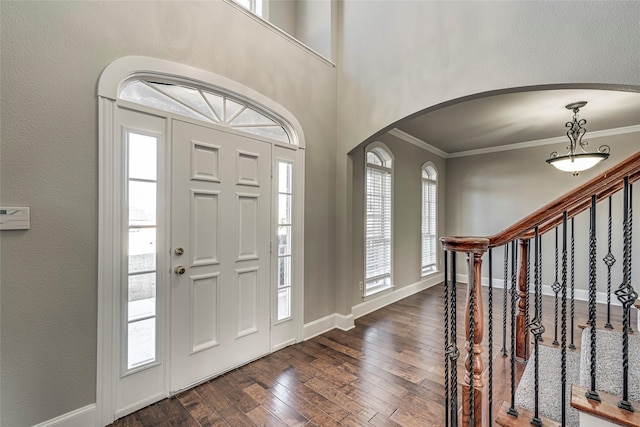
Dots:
pixel 220 252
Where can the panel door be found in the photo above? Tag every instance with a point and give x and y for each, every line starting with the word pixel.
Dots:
pixel 220 252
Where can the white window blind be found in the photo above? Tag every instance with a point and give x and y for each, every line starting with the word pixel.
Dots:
pixel 378 223
pixel 429 225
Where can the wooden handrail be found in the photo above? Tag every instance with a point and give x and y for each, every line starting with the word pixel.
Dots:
pixel 546 218
pixel 576 200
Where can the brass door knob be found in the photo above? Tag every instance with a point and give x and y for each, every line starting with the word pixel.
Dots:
pixel 180 269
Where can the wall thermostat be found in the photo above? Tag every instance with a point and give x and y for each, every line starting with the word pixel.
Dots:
pixel 14 219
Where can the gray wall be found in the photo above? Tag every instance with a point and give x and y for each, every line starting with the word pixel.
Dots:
pixel 397 58
pixel 407 210
pixel 282 14
pixel 488 193
pixel 52 54
pixel 310 21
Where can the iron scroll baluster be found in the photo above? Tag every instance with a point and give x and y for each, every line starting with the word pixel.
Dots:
pixel 537 329
pixel 454 353
pixel 472 322
pixel 526 307
pixel 627 296
pixel 563 349
pixel 592 393
pixel 573 280
pixel 446 339
pixel 609 260
pixel 490 349
pixel 504 299
pixel 512 409
pixel 556 289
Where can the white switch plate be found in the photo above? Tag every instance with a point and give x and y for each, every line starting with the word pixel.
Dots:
pixel 15 219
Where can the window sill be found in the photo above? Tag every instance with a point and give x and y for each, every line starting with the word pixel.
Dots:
pixel 430 273
pixel 378 293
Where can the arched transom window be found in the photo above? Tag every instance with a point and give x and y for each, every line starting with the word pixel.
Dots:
pixel 429 224
pixel 378 229
pixel 207 106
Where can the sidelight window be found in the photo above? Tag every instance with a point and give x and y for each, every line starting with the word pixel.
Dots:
pixel 141 283
pixel 285 196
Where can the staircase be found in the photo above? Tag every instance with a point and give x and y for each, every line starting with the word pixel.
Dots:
pixel 608 380
pixel 597 382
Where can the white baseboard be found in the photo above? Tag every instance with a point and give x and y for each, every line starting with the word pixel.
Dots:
pixel 372 305
pixel 82 417
pixel 327 323
pixel 346 322
pixel 579 294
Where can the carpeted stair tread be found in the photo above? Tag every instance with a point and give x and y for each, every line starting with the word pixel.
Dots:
pixel 550 384
pixel 609 362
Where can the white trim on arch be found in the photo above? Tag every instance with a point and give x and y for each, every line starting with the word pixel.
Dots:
pixel 123 69
pixel 109 181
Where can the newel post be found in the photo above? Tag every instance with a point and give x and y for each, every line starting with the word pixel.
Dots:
pixel 522 332
pixel 473 386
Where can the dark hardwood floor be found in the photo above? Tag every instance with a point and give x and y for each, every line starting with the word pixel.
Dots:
pixel 387 371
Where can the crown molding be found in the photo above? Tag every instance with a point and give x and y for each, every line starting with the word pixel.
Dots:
pixel 508 147
pixel 417 142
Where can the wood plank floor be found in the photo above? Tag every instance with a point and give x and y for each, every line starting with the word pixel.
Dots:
pixel 387 371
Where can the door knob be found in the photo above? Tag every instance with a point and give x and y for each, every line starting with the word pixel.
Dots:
pixel 179 251
pixel 179 269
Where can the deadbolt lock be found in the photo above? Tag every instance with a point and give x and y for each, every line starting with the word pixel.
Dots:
pixel 180 269
pixel 179 251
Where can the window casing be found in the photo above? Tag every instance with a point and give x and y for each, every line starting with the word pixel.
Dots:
pixel 429 220
pixel 378 220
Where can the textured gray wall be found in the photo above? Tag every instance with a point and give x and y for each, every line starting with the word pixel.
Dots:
pixel 488 193
pixel 407 199
pixel 52 56
pixel 400 57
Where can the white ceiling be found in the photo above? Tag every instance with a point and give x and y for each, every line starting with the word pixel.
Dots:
pixel 513 118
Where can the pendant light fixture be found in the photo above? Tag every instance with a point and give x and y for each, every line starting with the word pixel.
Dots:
pixel 573 161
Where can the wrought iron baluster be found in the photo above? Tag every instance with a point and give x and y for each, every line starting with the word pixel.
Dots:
pixel 563 349
pixel 630 242
pixel 512 409
pixel 504 299
pixel 539 311
pixel 592 393
pixel 573 280
pixel 472 322
pixel 537 329
pixel 490 338
pixel 454 353
pixel 609 260
pixel 556 289
pixel 627 296
pixel 446 339
pixel 526 308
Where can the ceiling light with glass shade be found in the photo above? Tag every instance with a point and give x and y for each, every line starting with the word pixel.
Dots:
pixel 577 161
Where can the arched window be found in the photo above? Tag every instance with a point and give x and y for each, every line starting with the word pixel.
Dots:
pixel 378 219
pixel 207 106
pixel 429 216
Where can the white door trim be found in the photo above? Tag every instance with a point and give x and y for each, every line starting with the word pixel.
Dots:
pixel 109 179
